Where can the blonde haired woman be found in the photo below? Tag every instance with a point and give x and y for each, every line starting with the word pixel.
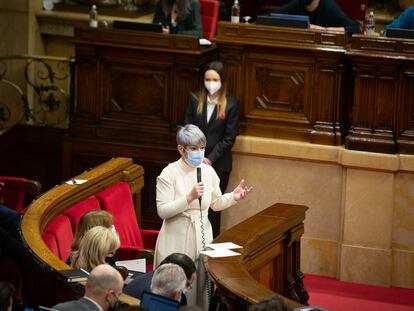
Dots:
pixel 86 222
pixel 97 245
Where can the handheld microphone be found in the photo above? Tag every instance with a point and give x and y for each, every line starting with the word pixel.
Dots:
pixel 199 180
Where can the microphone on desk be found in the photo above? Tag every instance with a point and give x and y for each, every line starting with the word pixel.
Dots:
pixel 199 180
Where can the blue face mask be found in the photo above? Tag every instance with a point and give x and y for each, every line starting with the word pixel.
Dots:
pixel 194 158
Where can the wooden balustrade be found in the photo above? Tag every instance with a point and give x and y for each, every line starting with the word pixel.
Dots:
pixel 269 262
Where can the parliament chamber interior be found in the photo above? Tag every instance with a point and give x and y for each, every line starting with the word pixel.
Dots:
pixel 326 139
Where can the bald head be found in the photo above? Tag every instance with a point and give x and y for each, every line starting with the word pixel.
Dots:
pixel 103 278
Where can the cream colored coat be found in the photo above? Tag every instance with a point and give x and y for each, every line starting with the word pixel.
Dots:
pixel 181 230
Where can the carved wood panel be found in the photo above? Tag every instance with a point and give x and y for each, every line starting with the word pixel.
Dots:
pixel 405 107
pixel 373 113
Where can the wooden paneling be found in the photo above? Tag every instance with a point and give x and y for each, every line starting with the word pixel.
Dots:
pixel 289 81
pixel 382 113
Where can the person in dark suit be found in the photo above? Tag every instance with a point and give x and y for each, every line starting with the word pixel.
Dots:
pixel 217 114
pixel 102 292
pixel 143 282
pixel 323 14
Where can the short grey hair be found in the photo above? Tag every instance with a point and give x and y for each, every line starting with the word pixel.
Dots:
pixel 168 279
pixel 190 135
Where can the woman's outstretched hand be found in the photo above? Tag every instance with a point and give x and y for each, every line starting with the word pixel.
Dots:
pixel 241 191
pixel 196 192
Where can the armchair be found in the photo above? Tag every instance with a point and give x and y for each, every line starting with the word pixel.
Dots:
pixel 16 190
pixel 209 10
pixel 117 200
pixel 355 9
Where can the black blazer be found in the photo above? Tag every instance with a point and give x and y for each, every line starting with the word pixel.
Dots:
pixel 220 133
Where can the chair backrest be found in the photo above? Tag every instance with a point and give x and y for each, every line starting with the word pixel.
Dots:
pixel 209 10
pixel 58 234
pixel 355 9
pixel 15 190
pixel 117 200
pixel 76 211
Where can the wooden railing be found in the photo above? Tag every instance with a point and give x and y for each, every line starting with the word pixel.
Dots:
pixel 270 259
pixel 45 264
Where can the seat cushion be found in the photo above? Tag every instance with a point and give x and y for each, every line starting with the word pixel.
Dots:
pixel 76 211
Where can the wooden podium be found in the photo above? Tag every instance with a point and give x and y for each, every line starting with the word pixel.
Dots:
pixel 291 82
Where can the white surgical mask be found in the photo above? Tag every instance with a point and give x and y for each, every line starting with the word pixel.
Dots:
pixel 212 86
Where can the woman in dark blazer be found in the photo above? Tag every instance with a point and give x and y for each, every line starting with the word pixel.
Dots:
pixel 217 114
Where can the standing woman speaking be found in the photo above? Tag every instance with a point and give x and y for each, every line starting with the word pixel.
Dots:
pixel 179 16
pixel 217 114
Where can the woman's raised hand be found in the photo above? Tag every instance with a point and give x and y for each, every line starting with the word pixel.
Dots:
pixel 196 192
pixel 241 191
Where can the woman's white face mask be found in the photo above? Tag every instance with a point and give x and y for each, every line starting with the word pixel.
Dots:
pixel 212 86
pixel 212 81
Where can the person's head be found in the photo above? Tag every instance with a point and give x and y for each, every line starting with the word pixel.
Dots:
pixel 274 303
pixel 88 221
pixel 191 143
pixel 186 263
pixel 183 8
pixel 6 296
pixel 104 286
pixel 169 280
pixel 96 246
pixel 214 86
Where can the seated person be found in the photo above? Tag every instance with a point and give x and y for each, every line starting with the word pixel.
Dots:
pixel 169 280
pixel 184 14
pixel 323 14
pixel 143 282
pixel 102 291
pixel 11 246
pixel 86 222
pixel 97 247
pixel 404 21
pixel 6 296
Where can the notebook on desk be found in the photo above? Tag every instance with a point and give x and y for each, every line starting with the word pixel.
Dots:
pixel 400 33
pixel 151 27
pixel 284 20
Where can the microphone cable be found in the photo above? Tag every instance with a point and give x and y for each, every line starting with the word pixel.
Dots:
pixel 208 283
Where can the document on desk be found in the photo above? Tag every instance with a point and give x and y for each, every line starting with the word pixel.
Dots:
pixel 220 253
pixel 76 181
pixel 138 265
pixel 225 245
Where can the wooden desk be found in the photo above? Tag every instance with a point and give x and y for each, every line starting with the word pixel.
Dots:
pixel 290 81
pixel 269 261
pixel 382 114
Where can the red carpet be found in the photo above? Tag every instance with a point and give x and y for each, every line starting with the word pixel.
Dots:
pixel 334 295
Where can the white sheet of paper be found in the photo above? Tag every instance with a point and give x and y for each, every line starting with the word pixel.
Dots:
pixel 204 41
pixel 76 181
pixel 220 253
pixel 133 264
pixel 225 245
